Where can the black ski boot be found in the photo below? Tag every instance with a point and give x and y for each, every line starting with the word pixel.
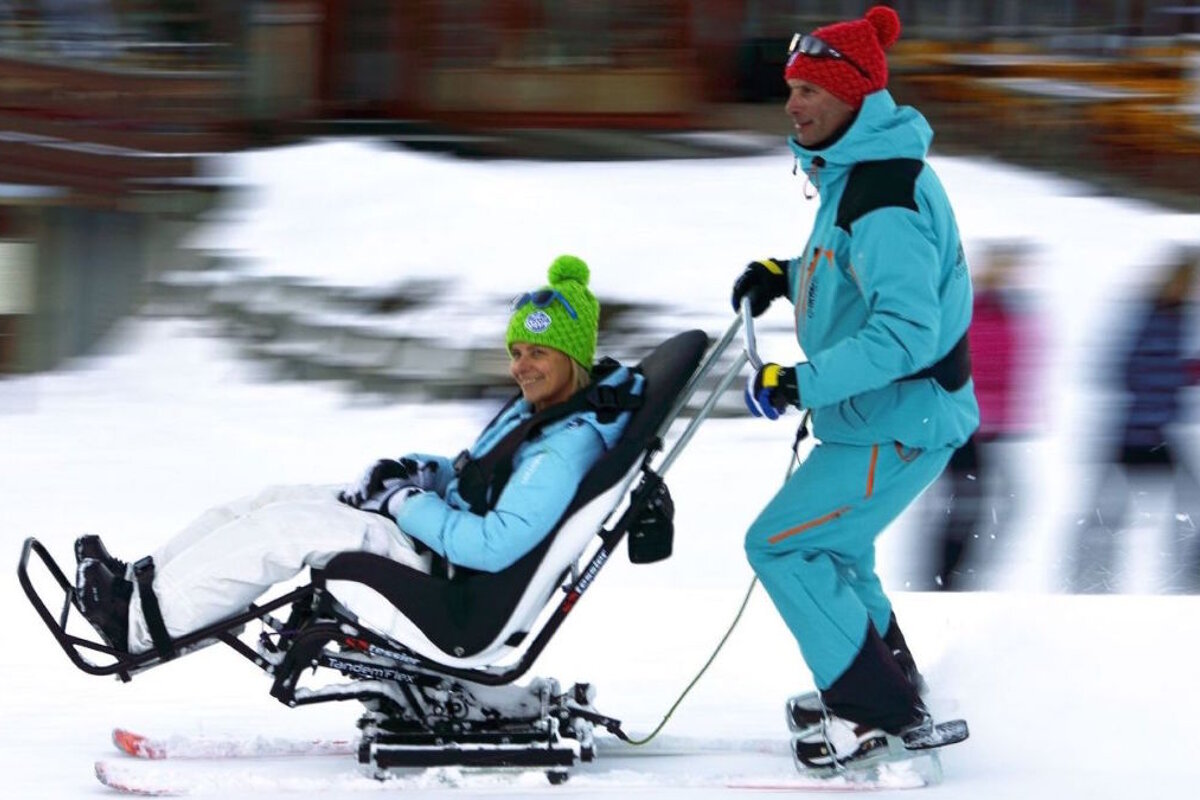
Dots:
pixel 90 546
pixel 874 690
pixel 848 725
pixel 103 599
pixel 823 744
pixel 838 744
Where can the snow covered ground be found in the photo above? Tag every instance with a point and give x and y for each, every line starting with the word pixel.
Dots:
pixel 1068 696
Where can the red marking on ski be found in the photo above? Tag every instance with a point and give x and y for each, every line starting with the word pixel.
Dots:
pixel 136 745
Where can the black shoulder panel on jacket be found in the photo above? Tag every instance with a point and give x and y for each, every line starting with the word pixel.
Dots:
pixel 878 184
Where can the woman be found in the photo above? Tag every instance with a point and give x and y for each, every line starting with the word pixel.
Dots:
pixel 229 556
pixel 980 483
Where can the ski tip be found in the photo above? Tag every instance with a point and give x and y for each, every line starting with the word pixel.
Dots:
pixel 115 779
pixel 135 744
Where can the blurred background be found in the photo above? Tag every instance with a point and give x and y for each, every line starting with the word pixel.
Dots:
pixel 119 118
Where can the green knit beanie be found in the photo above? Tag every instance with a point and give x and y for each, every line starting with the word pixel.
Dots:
pixel 563 315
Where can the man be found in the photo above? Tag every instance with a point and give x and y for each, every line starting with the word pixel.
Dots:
pixel 882 302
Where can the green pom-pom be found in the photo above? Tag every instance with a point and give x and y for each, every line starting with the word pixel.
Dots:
pixel 569 268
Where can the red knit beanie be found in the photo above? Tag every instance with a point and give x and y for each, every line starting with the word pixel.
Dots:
pixel 863 42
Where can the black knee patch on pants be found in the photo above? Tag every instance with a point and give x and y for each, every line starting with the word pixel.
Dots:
pixel 894 639
pixel 873 690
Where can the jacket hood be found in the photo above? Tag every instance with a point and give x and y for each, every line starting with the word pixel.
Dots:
pixel 611 431
pixel 882 130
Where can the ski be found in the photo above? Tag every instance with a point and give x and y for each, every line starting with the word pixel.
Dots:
pixel 746 770
pixel 915 772
pixel 184 746
pixel 185 778
pixel 187 746
pixel 122 781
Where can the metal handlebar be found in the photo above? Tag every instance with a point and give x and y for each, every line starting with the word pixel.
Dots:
pixel 748 335
pixel 745 321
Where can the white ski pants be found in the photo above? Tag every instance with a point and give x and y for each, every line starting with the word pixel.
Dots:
pixel 233 553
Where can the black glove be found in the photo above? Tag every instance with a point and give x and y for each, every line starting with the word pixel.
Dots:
pixel 771 390
pixel 386 473
pixel 762 281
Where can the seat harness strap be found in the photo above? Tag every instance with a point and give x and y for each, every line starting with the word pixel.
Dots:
pixel 143 574
pixel 480 480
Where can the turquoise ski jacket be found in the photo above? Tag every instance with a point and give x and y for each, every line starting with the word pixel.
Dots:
pixel 882 289
pixel 547 471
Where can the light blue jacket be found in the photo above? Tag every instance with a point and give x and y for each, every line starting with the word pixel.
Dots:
pixel 882 289
pixel 547 471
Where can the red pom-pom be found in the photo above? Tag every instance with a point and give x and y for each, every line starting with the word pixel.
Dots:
pixel 886 25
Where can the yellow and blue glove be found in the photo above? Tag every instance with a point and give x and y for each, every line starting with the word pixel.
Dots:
pixel 771 390
pixel 762 281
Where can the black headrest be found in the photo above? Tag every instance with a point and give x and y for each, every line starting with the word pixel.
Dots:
pixel 667 370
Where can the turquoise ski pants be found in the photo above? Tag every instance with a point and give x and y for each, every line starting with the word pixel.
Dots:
pixel 813 546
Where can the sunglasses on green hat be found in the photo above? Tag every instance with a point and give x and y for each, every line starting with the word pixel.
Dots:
pixel 542 298
pixel 808 45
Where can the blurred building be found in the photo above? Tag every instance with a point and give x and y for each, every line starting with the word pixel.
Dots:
pixel 108 106
pixel 527 63
pixel 105 112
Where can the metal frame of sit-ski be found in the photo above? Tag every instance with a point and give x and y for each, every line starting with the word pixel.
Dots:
pixel 385 672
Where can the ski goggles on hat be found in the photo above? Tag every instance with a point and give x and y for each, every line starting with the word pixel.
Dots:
pixel 808 45
pixel 542 298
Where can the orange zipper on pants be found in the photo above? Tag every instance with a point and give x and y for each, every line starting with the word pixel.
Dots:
pixel 832 515
pixel 812 523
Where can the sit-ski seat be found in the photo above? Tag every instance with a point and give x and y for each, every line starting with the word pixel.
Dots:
pixel 475 619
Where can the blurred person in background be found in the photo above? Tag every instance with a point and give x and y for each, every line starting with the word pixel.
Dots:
pixel 882 298
pixel 470 516
pixel 981 490
pixel 1153 370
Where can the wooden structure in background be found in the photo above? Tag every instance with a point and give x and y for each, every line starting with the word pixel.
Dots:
pixel 99 176
pixel 509 63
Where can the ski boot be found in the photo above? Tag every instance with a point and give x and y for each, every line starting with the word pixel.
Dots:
pixel 836 745
pixel 90 546
pixel 103 599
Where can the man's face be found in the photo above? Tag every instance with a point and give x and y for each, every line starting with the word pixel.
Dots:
pixel 816 114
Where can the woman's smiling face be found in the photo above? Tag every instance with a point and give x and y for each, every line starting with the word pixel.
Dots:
pixel 545 375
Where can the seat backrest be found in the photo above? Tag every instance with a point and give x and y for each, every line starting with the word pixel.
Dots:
pixel 470 620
